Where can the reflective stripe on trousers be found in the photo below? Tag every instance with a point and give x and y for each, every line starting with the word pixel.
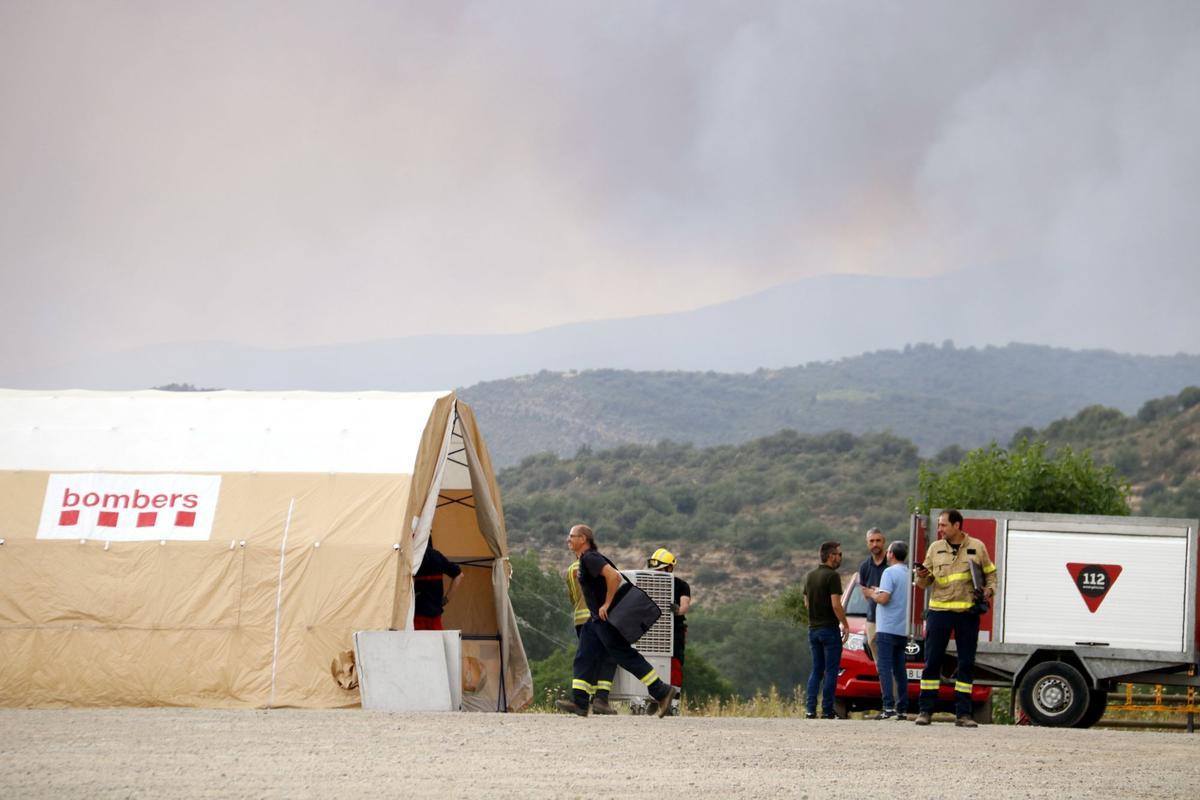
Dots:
pixel 938 627
pixel 601 645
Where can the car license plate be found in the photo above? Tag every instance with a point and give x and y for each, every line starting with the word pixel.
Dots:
pixel 914 674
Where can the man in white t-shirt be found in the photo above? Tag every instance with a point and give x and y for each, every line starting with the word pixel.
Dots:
pixel 891 617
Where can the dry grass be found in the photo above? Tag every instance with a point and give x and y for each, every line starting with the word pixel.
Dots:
pixel 774 705
pixel 769 705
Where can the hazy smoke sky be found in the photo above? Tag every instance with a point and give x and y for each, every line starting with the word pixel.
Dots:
pixel 295 173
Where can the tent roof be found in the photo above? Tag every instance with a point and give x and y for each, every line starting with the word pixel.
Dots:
pixel 226 431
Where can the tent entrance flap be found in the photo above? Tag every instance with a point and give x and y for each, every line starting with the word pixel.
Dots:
pixel 461 518
pixel 451 472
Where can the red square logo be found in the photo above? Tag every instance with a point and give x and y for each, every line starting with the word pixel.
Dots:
pixel 108 519
pixel 68 518
pixel 146 519
pixel 185 519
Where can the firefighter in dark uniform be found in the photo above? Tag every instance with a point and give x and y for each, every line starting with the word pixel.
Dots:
pixel 598 639
pixel 954 607
pixel 604 676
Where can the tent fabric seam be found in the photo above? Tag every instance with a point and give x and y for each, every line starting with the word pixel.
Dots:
pixel 279 599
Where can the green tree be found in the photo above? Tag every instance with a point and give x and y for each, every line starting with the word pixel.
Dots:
pixel 539 599
pixel 702 681
pixel 552 675
pixel 1024 479
pixel 791 605
pixel 750 645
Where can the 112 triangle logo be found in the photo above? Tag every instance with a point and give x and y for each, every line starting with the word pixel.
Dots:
pixel 1093 581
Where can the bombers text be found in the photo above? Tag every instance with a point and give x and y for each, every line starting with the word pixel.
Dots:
pixel 136 500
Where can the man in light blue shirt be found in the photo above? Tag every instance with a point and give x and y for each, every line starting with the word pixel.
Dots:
pixel 891 616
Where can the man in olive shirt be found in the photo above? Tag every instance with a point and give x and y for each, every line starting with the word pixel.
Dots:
pixel 823 599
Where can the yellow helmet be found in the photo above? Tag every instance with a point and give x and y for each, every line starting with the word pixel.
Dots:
pixel 661 559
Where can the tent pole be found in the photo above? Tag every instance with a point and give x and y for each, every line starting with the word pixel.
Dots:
pixel 279 599
pixel 503 698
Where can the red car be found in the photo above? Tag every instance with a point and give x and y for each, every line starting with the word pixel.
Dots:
pixel 858 681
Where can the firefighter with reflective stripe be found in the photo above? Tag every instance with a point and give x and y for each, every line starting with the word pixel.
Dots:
pixel 575 592
pixel 954 607
pixel 600 690
pixel 599 640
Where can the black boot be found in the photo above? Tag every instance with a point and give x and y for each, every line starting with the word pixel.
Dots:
pixel 570 707
pixel 600 705
pixel 664 702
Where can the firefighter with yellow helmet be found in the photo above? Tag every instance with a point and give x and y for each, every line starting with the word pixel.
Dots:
pixel 663 560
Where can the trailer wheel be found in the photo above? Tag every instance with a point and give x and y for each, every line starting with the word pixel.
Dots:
pixel 1097 705
pixel 1054 693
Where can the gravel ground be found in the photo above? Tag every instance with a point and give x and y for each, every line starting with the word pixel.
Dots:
pixel 177 753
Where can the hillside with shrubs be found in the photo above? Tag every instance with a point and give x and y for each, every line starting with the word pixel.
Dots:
pixel 935 396
pixel 1157 450
pixel 747 517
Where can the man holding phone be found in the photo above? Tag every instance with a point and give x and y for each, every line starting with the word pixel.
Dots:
pixel 953 608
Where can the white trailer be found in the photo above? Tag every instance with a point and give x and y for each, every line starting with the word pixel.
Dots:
pixel 1082 603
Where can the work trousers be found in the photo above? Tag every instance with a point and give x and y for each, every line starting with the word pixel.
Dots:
pixel 600 642
pixel 938 627
pixel 604 675
pixel 826 646
pixel 891 662
pixel 677 657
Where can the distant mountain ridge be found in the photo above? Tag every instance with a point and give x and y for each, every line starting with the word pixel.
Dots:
pixel 936 396
pixel 815 319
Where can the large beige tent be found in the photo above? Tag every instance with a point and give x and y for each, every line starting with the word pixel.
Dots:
pixel 221 548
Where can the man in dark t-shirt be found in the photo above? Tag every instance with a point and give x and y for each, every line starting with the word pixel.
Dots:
pixel 823 599
pixel 430 600
pixel 870 572
pixel 599 640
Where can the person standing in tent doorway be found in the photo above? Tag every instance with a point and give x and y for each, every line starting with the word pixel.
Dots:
pixel 663 560
pixel 604 677
pixel 431 594
pixel 599 640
